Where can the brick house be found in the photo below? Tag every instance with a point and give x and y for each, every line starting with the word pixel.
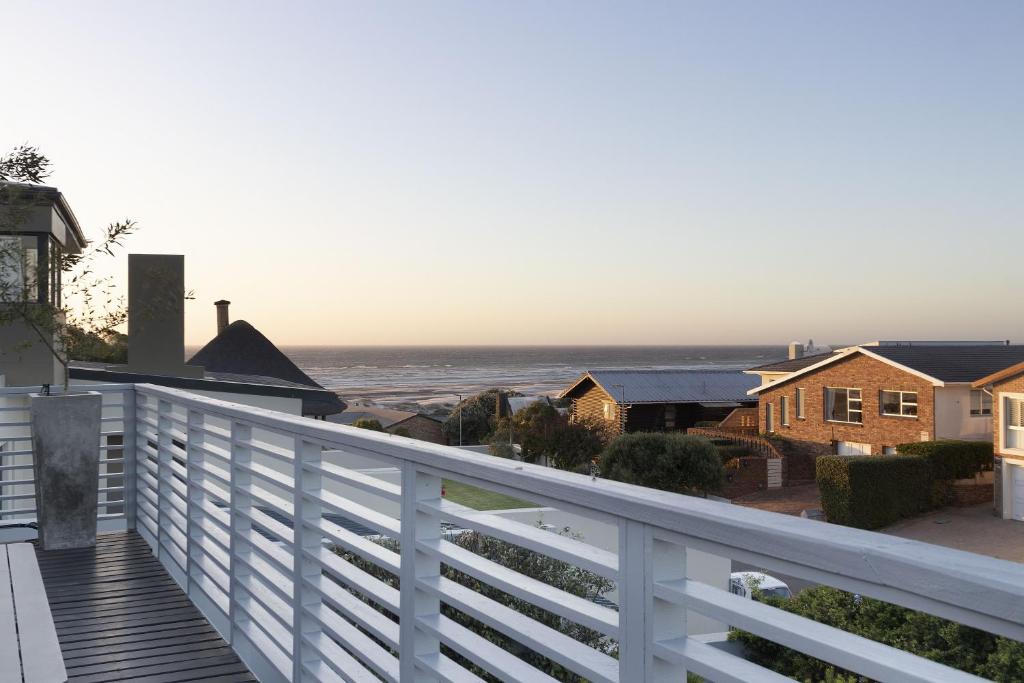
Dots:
pixel 658 400
pixel 867 399
pixel 1007 391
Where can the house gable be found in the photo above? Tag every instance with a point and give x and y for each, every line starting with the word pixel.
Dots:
pixel 855 371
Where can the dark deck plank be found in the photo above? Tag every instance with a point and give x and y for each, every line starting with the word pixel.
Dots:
pixel 120 617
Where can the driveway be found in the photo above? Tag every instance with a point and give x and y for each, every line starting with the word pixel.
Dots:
pixel 973 529
pixel 788 500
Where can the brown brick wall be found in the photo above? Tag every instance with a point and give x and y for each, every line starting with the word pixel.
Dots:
pixel 814 436
pixel 741 419
pixel 964 495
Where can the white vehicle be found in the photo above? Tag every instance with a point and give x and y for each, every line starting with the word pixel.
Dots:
pixel 745 583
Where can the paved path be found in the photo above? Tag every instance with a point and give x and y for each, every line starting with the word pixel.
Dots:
pixel 974 529
pixel 789 500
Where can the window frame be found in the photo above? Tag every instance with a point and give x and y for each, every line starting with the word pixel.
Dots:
pixel 605 405
pixel 769 417
pixel 981 404
pixel 784 411
pixel 860 410
pixel 901 402
pixel 1005 427
pixel 800 404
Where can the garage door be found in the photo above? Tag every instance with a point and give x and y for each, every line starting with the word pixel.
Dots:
pixel 1017 493
pixel 853 448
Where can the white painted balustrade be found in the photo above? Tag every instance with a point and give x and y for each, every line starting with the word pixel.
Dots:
pixel 233 500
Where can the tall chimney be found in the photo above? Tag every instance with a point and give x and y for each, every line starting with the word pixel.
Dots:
pixel 796 350
pixel 156 316
pixel 222 314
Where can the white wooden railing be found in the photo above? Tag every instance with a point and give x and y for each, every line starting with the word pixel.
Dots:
pixel 210 483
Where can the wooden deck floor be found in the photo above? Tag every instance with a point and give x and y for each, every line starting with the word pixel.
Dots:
pixel 120 617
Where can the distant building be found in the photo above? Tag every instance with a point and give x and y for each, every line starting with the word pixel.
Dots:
pixel 239 364
pixel 658 400
pixel 510 405
pixel 868 399
pixel 240 349
pixel 418 425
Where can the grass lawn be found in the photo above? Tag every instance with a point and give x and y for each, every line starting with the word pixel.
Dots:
pixel 479 499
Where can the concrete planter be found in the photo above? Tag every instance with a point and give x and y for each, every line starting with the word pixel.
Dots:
pixel 66 456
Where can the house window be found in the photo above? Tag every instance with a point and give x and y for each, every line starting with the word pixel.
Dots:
pixel 899 403
pixel 888 450
pixel 843 405
pixel 800 403
pixel 1013 421
pixel 670 417
pixel 784 411
pixel 981 403
pixel 609 410
pixel 769 417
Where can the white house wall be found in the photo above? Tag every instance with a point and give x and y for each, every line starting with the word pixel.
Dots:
pixel 953 419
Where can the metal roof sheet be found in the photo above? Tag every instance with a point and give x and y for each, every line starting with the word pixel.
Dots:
pixel 675 386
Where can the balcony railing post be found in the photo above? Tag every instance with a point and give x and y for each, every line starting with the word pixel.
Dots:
pixel 163 472
pixel 644 619
pixel 417 526
pixel 194 461
pixel 240 510
pixel 128 450
pixel 306 542
pixel 666 620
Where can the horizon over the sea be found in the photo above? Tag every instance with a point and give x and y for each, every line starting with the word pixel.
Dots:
pixel 428 377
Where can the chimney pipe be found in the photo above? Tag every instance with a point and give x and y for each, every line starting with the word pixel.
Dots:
pixel 222 314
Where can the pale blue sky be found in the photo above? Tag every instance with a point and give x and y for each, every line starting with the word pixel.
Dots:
pixel 537 172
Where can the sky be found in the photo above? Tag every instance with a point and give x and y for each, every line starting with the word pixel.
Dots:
pixel 546 172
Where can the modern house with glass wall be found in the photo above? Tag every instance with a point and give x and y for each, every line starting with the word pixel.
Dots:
pixel 867 399
pixel 37 229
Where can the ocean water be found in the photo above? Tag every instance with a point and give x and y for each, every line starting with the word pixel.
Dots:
pixel 432 376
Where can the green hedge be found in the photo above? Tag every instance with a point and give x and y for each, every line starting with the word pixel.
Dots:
pixel 952 459
pixel 872 492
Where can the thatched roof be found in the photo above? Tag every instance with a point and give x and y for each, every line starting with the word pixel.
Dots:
pixel 243 350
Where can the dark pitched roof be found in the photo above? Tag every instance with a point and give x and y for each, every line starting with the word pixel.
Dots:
pixel 960 363
pixel 791 364
pixel 672 386
pixel 241 349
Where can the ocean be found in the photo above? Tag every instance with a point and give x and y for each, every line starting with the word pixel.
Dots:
pixel 430 377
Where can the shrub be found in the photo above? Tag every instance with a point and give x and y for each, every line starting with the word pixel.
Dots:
pixel 478 413
pixel 667 461
pixel 872 492
pixel 541 430
pixel 370 423
pixel 946 642
pixel 952 459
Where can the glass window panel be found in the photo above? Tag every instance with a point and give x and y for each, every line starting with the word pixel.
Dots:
pixel 890 403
